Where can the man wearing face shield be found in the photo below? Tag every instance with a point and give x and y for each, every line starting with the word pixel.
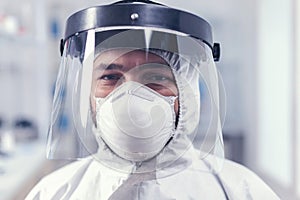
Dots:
pixel 141 89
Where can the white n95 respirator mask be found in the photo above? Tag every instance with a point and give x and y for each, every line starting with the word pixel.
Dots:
pixel 135 121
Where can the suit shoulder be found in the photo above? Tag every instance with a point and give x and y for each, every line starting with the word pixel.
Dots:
pixel 56 180
pixel 242 180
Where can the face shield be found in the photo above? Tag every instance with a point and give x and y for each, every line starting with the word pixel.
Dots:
pixel 133 92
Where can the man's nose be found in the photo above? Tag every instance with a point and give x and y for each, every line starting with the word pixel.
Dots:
pixel 131 77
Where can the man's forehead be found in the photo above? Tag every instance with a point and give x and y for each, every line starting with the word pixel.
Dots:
pixel 125 57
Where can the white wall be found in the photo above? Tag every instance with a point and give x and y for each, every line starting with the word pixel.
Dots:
pixel 278 86
pixel 297 94
pixel 275 89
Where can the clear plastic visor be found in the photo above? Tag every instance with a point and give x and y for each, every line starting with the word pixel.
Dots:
pixel 95 64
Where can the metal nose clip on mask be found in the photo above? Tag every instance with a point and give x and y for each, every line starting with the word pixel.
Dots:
pixel 135 122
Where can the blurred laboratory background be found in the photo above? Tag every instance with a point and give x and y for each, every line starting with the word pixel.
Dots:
pixel 260 69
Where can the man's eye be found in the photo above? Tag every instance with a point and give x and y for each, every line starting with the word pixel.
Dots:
pixel 154 78
pixel 158 78
pixel 111 77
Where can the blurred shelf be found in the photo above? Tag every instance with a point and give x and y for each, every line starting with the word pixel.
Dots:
pixel 6 40
pixel 19 168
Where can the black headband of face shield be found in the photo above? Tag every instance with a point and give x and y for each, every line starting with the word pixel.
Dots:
pixel 137 1
pixel 113 39
pixel 128 13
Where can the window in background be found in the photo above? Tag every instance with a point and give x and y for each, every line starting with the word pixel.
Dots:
pixel 297 98
pixel 275 64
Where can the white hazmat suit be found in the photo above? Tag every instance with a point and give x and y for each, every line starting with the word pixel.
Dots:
pixel 89 179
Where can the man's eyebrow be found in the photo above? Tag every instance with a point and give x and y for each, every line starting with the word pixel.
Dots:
pixel 155 66
pixel 113 66
pixel 110 66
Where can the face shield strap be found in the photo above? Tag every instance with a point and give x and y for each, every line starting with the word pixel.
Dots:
pixel 216 51
pixel 61 47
